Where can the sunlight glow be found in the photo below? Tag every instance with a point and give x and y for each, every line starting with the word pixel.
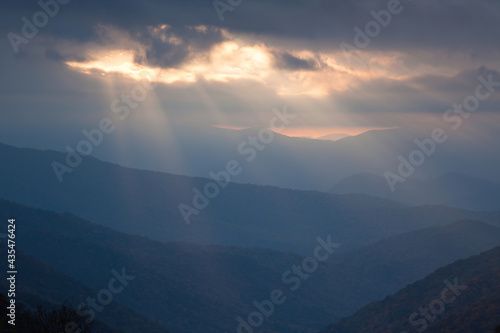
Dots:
pixel 235 59
pixel 114 62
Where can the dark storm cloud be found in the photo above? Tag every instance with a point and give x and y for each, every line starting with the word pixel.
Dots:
pixel 79 21
pixel 185 42
pixel 471 25
pixel 285 60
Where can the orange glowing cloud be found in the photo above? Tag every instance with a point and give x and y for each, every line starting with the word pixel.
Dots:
pixel 238 59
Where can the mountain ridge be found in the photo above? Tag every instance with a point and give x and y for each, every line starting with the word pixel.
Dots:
pixel 195 288
pixel 147 203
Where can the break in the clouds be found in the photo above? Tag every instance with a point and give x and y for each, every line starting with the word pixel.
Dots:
pixel 310 55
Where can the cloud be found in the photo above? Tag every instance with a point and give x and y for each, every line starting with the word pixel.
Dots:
pixel 320 24
pixel 168 46
pixel 264 54
pixel 285 60
pixel 440 33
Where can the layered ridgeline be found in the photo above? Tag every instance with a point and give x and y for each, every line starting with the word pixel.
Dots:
pixel 461 297
pixel 301 163
pixel 451 189
pixel 147 203
pixel 41 285
pixel 193 288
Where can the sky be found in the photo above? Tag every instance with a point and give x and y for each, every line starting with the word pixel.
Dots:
pixel 341 66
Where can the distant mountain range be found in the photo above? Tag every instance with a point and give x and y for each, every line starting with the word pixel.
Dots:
pixel 301 163
pixel 471 305
pixel 203 275
pixel 147 203
pixel 193 288
pixel 451 189
pixel 333 137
